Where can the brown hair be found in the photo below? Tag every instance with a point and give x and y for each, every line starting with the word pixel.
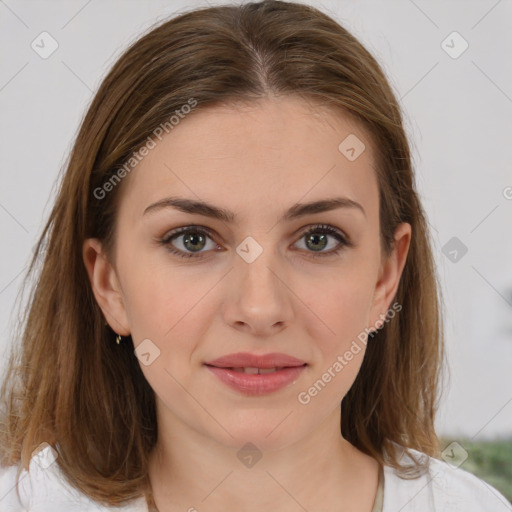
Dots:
pixel 70 385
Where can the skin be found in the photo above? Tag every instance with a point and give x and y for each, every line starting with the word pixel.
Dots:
pixel 255 160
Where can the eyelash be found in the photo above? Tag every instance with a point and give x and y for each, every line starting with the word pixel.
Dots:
pixel 324 229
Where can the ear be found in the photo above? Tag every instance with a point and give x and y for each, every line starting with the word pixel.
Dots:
pixel 389 275
pixel 105 286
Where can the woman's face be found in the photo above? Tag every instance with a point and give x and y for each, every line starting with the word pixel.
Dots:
pixel 254 281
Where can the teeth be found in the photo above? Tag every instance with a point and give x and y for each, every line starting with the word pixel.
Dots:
pixel 254 371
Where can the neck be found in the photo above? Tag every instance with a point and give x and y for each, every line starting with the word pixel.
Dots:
pixel 322 470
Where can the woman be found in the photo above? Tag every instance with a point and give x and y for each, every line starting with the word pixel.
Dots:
pixel 237 306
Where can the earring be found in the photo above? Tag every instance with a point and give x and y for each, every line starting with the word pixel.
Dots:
pixel 118 338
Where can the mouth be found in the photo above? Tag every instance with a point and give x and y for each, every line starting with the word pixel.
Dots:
pixel 254 381
pixel 253 371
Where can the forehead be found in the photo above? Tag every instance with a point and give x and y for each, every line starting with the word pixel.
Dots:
pixel 258 157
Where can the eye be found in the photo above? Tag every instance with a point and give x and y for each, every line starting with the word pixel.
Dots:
pixel 195 238
pixel 317 238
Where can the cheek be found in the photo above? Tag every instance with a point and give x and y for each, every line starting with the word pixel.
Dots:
pixel 172 307
pixel 151 303
pixel 160 295
pixel 343 311
pixel 340 305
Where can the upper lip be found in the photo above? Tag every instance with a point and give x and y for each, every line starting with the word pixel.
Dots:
pixel 247 360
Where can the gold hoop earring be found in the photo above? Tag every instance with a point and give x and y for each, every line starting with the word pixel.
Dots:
pixel 118 339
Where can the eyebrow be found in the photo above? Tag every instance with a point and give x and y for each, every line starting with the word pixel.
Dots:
pixel 208 210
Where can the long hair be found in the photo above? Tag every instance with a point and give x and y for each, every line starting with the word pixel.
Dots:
pixel 70 385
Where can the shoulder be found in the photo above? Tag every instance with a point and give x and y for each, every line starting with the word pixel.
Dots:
pixel 43 487
pixel 441 488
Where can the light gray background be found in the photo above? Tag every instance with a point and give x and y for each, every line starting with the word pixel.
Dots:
pixel 458 114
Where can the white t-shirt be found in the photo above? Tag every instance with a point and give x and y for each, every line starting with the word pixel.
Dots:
pixel 442 489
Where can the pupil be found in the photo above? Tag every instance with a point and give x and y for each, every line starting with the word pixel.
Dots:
pixel 315 239
pixel 193 238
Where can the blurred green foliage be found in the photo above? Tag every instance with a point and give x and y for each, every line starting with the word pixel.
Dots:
pixel 489 460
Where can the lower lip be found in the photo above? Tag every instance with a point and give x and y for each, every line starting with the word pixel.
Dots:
pixel 256 384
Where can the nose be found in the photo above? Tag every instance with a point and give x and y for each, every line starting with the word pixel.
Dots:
pixel 259 298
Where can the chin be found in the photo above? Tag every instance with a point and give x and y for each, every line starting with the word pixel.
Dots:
pixel 265 435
